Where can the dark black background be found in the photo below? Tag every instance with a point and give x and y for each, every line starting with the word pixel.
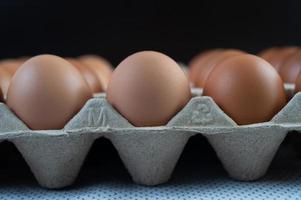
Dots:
pixel 115 29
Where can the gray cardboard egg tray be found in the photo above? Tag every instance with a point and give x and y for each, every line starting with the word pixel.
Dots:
pixel 150 153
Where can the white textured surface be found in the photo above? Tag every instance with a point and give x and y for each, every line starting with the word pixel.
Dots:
pixel 278 184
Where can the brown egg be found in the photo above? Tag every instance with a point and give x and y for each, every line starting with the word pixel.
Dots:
pixel 10 65
pixel 291 68
pixel 5 78
pixel 1 96
pixel 211 62
pixel 23 59
pixel 247 88
pixel 101 67
pixel 267 54
pixel 88 74
pixel 46 92
pixel 298 83
pixel 277 56
pixel 148 88
pixel 197 62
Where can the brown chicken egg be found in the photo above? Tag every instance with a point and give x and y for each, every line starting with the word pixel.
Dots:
pixel 10 65
pixel 247 88
pixel 1 96
pixel 22 59
pixel 5 78
pixel 197 62
pixel 101 67
pixel 277 56
pixel 298 83
pixel 88 74
pixel 46 92
pixel 268 53
pixel 148 88
pixel 211 62
pixel 291 68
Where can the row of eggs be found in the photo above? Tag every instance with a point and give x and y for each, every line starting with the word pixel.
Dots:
pixel 286 61
pixel 148 88
pixel 46 91
pixel 248 88
pixel 95 70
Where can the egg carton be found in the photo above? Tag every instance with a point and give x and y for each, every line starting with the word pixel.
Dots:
pixel 150 153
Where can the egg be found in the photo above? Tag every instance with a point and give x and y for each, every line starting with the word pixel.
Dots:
pixel 268 53
pixel 211 62
pixel 246 88
pixel 197 62
pixel 46 92
pixel 291 68
pixel 277 56
pixel 88 74
pixel 298 83
pixel 1 96
pixel 22 59
pixel 101 67
pixel 11 65
pixel 148 88
pixel 5 78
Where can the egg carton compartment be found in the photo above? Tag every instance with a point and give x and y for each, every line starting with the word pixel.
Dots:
pixel 150 153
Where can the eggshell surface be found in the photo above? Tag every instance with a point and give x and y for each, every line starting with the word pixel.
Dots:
pixel 197 63
pixel 101 67
pixel 89 75
pixel 247 88
pixel 148 88
pixel 1 96
pixel 46 92
pixel 291 68
pixel 209 64
pixel 277 56
pixel 298 84
pixel 11 65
